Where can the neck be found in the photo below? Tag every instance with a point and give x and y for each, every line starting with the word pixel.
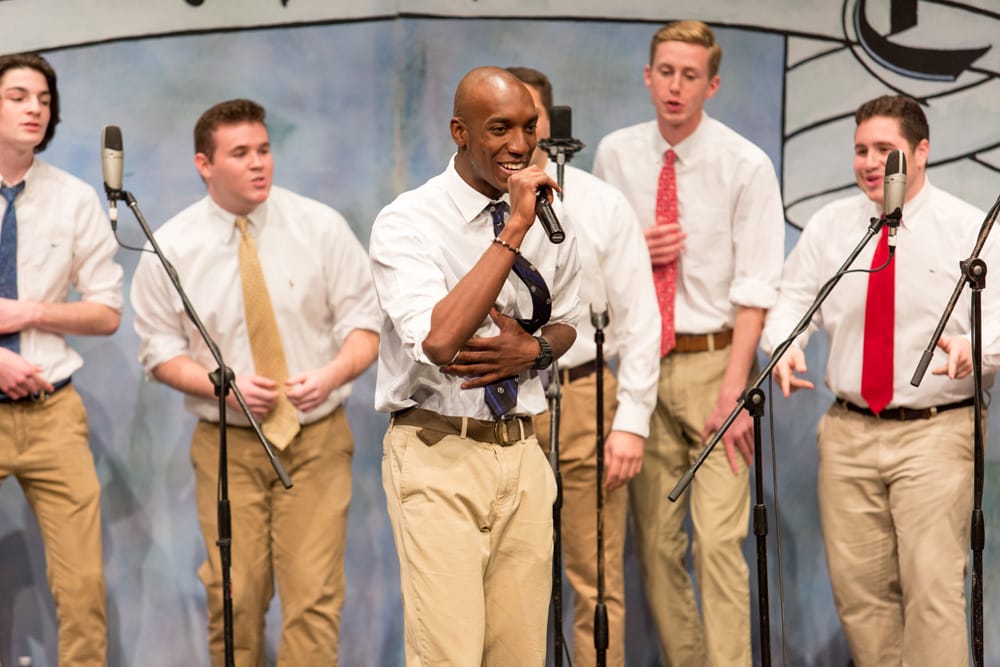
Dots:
pixel 675 134
pixel 14 164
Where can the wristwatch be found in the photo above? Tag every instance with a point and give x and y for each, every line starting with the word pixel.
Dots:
pixel 544 358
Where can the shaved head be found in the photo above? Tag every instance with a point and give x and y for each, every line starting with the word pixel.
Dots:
pixel 493 128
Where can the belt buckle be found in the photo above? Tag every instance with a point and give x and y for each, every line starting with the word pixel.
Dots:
pixel 39 396
pixel 500 432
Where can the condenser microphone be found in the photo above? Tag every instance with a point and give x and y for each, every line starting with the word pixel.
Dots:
pixel 112 157
pixel 894 192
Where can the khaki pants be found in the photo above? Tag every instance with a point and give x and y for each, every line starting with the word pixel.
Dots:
pixel 295 537
pixel 578 468
pixel 472 523
pixel 895 500
pixel 719 503
pixel 45 445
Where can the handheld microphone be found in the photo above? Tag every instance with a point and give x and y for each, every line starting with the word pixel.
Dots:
pixel 894 192
pixel 112 156
pixel 545 215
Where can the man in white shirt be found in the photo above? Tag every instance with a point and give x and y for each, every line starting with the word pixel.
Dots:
pixel 474 301
pixel 615 277
pixel 318 292
pixel 709 203
pixel 54 236
pixel 895 466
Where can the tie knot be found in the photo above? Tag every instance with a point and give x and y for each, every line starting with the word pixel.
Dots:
pixel 9 192
pixel 498 210
pixel 241 224
pixel 669 157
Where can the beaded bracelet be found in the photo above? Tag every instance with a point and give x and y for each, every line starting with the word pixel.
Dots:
pixel 500 241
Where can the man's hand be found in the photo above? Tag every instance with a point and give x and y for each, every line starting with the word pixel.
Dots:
pixel 959 351
pixel 665 243
pixel 260 393
pixel 307 391
pixel 622 458
pixel 791 362
pixel 739 437
pixel 523 187
pixel 485 360
pixel 18 378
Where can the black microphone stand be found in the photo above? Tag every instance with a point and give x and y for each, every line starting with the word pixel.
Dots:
pixel 753 401
pixel 973 275
pixel 554 395
pixel 223 380
pixel 600 320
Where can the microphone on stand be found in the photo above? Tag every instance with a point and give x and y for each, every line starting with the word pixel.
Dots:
pixel 112 157
pixel 561 145
pixel 894 192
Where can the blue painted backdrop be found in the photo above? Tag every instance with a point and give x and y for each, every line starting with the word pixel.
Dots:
pixel 358 112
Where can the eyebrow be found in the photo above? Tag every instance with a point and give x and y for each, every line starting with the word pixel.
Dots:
pixel 22 89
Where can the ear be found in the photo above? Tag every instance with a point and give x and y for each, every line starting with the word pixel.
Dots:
pixel 203 165
pixel 713 87
pixel 921 153
pixel 459 133
pixel 647 76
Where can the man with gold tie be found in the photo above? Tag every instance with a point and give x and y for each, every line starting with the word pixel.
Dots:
pixel 285 290
pixel 709 202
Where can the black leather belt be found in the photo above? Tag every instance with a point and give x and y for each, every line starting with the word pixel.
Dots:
pixel 433 427
pixel 906 414
pixel 585 369
pixel 38 396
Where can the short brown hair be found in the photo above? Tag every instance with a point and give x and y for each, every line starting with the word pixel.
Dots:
pixel 912 121
pixel 41 65
pixel 690 32
pixel 535 79
pixel 230 112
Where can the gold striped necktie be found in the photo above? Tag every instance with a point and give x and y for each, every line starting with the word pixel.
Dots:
pixel 282 423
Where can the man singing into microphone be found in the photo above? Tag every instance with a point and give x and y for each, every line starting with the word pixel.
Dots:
pixel 285 290
pixel 54 236
pixel 895 461
pixel 475 300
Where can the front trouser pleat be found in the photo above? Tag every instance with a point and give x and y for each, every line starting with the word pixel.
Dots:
pixel 578 468
pixel 719 502
pixel 45 445
pixel 895 500
pixel 294 537
pixel 472 524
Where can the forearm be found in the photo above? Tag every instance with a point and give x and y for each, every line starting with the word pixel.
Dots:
pixel 185 375
pixel 746 333
pixel 77 318
pixel 358 352
pixel 560 336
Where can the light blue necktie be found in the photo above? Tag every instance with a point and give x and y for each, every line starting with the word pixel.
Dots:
pixel 8 260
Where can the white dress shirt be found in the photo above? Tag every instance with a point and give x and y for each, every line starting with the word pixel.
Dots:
pixel 729 205
pixel 615 276
pixel 422 244
pixel 317 276
pixel 938 230
pixel 63 239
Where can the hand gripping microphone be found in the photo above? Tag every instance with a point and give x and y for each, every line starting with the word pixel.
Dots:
pixel 894 192
pixel 545 215
pixel 112 157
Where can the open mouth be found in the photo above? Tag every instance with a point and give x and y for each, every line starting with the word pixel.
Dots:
pixel 511 167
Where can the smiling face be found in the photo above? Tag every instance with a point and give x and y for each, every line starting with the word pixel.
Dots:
pixel 238 173
pixel 679 83
pixel 24 109
pixel 494 129
pixel 874 139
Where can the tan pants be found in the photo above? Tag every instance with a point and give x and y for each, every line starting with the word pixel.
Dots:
pixel 295 537
pixel 578 468
pixel 45 445
pixel 472 523
pixel 719 503
pixel 895 500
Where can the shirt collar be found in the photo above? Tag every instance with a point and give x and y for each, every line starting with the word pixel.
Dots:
pixel 470 202
pixel 912 208
pixel 223 223
pixel 686 150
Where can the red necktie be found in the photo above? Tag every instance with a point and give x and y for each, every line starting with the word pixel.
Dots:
pixel 665 277
pixel 880 311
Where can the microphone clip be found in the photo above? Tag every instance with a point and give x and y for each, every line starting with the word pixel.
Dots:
pixel 561 150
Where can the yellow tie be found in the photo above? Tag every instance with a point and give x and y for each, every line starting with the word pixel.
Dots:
pixel 282 423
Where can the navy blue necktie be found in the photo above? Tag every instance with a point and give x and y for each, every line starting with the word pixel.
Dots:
pixel 501 396
pixel 8 260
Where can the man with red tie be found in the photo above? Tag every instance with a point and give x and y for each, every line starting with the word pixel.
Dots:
pixel 895 461
pixel 710 205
